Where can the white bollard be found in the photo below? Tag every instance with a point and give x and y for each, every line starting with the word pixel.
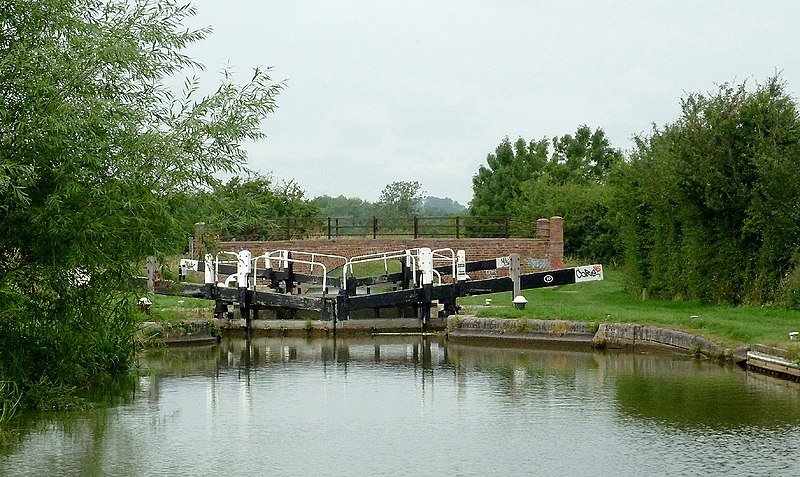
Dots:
pixel 426 265
pixel 243 268
pixel 461 266
pixel 210 272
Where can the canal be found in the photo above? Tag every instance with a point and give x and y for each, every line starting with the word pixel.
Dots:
pixel 396 405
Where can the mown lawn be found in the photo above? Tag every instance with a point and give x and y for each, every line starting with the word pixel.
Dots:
pixel 607 301
pixel 174 309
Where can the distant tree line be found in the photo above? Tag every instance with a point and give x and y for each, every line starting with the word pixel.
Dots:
pixel 398 199
pixel 255 206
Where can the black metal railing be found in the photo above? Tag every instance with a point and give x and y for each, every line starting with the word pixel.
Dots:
pixel 298 228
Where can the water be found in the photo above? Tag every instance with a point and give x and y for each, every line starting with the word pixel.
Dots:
pixel 412 406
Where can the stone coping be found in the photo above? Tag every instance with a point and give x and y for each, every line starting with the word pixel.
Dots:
pixel 621 336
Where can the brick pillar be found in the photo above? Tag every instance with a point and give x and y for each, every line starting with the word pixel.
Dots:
pixel 543 229
pixel 556 251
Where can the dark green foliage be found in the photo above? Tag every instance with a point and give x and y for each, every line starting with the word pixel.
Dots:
pixel 344 206
pixel 527 181
pixel 96 157
pixel 590 229
pixel 495 187
pixel 709 203
pixel 254 208
pixel 401 199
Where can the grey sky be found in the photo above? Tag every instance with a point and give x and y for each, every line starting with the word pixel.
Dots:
pixel 379 91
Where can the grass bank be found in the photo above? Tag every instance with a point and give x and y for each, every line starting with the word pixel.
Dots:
pixel 607 301
pixel 174 309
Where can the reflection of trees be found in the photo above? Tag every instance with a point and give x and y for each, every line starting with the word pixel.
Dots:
pixel 528 383
pixel 669 389
pixel 687 394
pixel 88 432
pixel 525 374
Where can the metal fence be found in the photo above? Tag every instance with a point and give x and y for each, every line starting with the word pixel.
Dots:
pixel 303 228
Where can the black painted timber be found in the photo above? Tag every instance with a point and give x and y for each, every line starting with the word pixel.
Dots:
pixel 564 276
pixel 347 300
pixel 386 299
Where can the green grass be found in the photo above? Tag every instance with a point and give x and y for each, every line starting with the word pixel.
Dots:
pixel 174 309
pixel 607 301
pixel 371 269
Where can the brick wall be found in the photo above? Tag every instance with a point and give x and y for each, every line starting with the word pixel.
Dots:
pixel 545 251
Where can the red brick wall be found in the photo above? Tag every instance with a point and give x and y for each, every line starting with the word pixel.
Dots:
pixel 548 245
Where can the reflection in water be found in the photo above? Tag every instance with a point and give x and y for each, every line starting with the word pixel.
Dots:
pixel 413 405
pixel 687 394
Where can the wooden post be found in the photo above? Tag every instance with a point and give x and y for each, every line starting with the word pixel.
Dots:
pixel 514 274
pixel 200 232
pixel 152 268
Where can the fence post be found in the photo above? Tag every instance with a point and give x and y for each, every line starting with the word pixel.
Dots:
pixel 458 227
pixel 374 227
pixel 416 227
pixel 505 227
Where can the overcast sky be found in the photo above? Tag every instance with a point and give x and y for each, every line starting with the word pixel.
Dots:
pixel 379 91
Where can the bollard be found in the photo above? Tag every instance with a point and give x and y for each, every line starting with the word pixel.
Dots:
pixel 144 305
pixel 519 302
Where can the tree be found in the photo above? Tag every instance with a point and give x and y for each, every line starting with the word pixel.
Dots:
pixel 342 206
pixel 573 185
pixel 255 208
pixel 494 188
pixel 709 203
pixel 527 181
pixel 401 199
pixel 590 228
pixel 585 157
pixel 94 154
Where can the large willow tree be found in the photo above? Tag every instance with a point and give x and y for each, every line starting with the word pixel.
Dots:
pixel 95 153
pixel 709 204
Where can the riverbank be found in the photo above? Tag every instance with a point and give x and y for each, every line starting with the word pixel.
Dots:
pixel 626 336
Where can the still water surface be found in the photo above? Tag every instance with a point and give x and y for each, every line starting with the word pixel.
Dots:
pixel 414 406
